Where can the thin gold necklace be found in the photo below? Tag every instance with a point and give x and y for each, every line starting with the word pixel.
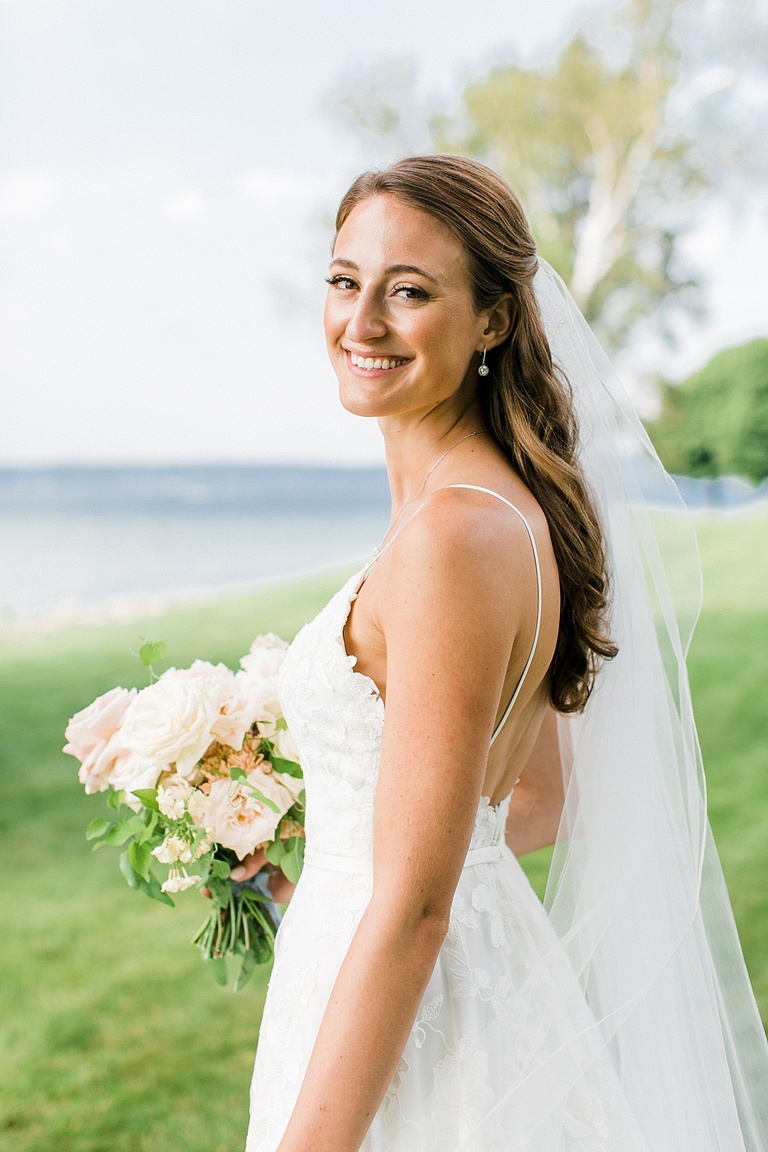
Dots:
pixel 478 432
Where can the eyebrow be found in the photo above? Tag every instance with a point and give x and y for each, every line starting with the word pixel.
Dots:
pixel 393 268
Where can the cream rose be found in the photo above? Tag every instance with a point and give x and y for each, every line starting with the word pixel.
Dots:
pixel 265 657
pixel 171 721
pixel 91 737
pixel 237 819
pixel 285 745
pixel 238 698
pixel 131 771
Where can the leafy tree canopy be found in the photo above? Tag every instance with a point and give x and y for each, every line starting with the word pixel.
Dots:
pixel 716 422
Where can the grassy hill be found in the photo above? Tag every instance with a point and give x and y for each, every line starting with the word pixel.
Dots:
pixel 112 1037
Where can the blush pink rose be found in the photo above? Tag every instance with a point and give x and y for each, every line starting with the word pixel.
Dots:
pixel 91 737
pixel 237 819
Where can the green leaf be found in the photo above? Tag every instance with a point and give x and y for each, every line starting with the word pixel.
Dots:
pixel 119 833
pixel 289 767
pixel 275 851
pixel 149 829
pixel 220 869
pixel 134 881
pixel 140 858
pixel 151 888
pixel 281 724
pixel 236 773
pixel 148 797
pixel 152 651
pixel 293 861
pixel 264 799
pixel 97 828
pixel 217 966
pixel 246 971
pixel 115 799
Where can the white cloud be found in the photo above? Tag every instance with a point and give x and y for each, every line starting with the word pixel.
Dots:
pixel 27 196
pixel 275 186
pixel 184 207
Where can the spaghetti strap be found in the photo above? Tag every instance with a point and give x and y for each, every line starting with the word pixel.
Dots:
pixel 489 491
pixel 529 661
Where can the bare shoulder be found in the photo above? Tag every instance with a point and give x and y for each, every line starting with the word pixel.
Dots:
pixel 463 546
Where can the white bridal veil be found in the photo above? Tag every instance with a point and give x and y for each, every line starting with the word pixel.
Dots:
pixel 635 892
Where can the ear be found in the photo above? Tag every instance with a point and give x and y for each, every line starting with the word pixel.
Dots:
pixel 499 323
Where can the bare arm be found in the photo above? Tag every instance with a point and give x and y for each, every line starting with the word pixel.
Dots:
pixel 537 801
pixel 449 627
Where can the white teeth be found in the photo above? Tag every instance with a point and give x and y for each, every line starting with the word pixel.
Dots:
pixel 371 365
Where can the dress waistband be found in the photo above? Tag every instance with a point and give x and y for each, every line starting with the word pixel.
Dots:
pixel 333 862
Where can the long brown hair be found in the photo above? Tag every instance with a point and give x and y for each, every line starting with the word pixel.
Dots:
pixel 526 402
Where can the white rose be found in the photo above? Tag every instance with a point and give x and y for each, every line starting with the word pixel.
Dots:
pixel 91 737
pixel 265 657
pixel 285 745
pixel 131 771
pixel 238 698
pixel 171 721
pixel 242 705
pixel 237 819
pixel 294 784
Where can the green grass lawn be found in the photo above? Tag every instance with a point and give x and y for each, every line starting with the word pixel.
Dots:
pixel 113 1038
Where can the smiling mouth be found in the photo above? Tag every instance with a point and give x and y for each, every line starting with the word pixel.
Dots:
pixel 377 363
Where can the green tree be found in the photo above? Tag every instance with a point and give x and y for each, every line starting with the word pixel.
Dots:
pixel 716 422
pixel 605 176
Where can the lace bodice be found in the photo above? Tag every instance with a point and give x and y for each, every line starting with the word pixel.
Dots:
pixel 337 719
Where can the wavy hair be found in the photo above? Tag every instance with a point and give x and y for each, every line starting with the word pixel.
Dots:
pixel 526 402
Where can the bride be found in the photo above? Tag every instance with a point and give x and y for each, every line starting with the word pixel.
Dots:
pixel 509 665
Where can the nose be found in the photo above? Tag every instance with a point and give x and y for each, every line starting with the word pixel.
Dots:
pixel 365 321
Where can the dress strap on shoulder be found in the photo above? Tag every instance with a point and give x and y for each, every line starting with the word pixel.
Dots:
pixel 476 488
pixel 537 564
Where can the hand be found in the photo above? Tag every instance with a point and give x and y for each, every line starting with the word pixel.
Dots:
pixel 279 885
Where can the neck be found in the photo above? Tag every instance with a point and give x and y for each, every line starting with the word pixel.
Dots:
pixel 413 446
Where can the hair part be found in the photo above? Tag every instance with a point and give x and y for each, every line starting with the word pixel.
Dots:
pixel 526 402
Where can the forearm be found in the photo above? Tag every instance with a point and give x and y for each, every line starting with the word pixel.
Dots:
pixel 363 1032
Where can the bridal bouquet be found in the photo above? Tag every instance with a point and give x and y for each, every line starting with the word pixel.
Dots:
pixel 200 770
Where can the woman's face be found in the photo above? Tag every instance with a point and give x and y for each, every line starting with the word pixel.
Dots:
pixel 400 325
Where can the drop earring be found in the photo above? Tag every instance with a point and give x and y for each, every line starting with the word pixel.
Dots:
pixel 483 370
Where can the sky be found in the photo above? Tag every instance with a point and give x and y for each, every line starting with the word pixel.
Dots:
pixel 169 173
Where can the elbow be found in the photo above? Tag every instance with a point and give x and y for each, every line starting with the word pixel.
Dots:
pixel 421 924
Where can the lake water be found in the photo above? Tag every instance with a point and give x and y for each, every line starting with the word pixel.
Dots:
pixel 79 544
pixel 86 544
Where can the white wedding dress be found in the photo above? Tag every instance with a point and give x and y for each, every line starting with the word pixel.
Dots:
pixel 503 1055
